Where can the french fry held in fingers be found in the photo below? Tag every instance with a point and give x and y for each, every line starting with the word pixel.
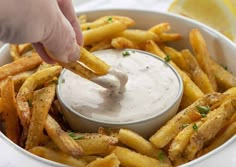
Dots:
pixel 167 132
pixel 210 127
pixel 42 101
pixel 65 142
pixel 9 111
pixel 132 158
pixel 141 145
pixel 191 90
pixel 160 28
pixel 57 156
pixel 198 76
pixel 202 55
pixel 180 142
pixel 20 65
pixel 109 161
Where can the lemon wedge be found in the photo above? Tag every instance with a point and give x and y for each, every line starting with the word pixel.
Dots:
pixel 218 14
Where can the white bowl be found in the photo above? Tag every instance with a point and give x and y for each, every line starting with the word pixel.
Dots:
pixel 220 48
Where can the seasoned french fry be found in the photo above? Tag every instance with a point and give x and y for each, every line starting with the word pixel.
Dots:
pixel 160 28
pixel 122 43
pixel 105 44
pixel 109 161
pixel 24 103
pixel 221 138
pixel 177 58
pixel 41 104
pixel 23 48
pixel 191 90
pixel 20 65
pixel 66 143
pixel 168 37
pixel 167 132
pixel 57 156
pixel 180 142
pixel 131 158
pixel 198 76
pixel 209 129
pixel 103 32
pixel 138 36
pixel 14 52
pixel 224 78
pixel 202 55
pixel 8 104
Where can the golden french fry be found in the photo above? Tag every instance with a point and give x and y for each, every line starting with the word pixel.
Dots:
pixel 43 65
pixel 94 144
pixel 122 43
pixel 221 138
pixel 109 161
pixel 8 104
pixel 224 78
pixel 131 158
pixel 138 36
pixel 160 28
pixel 20 65
pixel 65 142
pixel 198 76
pixel 191 90
pixel 24 103
pixel 168 37
pixel 105 44
pixel 14 52
pixel 202 55
pixel 82 19
pixel 57 156
pixel 180 142
pixel 210 127
pixel 41 104
pixel 23 48
pixel 177 58
pixel 103 32
pixel 167 132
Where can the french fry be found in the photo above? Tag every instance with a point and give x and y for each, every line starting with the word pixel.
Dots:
pixel 109 161
pixel 202 55
pixel 198 76
pixel 24 103
pixel 138 36
pixel 103 32
pixel 177 58
pixel 180 142
pixel 20 65
pixel 14 52
pixel 169 37
pixel 224 78
pixel 131 158
pixel 122 43
pixel 23 48
pixel 8 104
pixel 191 90
pixel 57 156
pixel 160 28
pixel 66 143
pixel 41 104
pixel 105 44
pixel 167 132
pixel 209 129
pixel 82 18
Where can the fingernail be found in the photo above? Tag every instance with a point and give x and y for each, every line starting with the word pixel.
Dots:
pixel 75 54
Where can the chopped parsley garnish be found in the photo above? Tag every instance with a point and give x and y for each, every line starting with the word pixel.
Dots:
pixel 88 28
pixel 125 53
pixel 203 110
pixel 30 103
pixel 184 126
pixel 74 136
pixel 167 58
pixel 161 156
pixel 195 127
pixel 109 20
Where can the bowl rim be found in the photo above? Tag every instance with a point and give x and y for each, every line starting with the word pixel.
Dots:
pixel 154 116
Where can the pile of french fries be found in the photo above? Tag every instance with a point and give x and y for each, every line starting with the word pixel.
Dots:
pixel 31 116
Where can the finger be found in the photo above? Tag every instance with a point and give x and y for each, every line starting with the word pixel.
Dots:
pixel 41 51
pixel 67 9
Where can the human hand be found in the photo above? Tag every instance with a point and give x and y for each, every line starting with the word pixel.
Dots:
pixel 47 24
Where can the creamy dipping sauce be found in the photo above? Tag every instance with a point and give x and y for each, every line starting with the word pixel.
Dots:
pixel 152 87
